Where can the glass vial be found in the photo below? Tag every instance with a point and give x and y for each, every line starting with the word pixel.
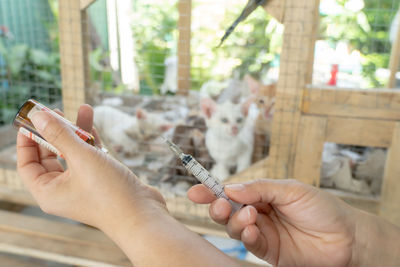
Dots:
pixel 30 107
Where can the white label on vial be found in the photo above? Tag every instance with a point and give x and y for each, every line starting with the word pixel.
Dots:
pixel 40 141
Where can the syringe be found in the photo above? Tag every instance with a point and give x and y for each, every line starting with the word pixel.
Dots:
pixel 202 175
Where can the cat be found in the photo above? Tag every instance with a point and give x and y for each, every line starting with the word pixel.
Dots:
pixel 336 171
pixel 264 98
pixel 229 137
pixel 125 132
pixel 371 169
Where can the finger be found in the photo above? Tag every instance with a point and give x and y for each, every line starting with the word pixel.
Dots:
pixel 28 163
pixel 244 217
pixel 220 211
pixel 200 194
pixel 51 164
pixel 262 239
pixel 276 192
pixel 59 134
pixel 85 118
pixel 44 153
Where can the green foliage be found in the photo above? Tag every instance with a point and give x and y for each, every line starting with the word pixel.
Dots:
pixel 366 31
pixel 101 74
pixel 154 35
pixel 27 73
pixel 252 48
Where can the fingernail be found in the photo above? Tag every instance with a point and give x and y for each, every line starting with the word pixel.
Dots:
pixel 244 215
pixel 217 210
pixel 40 120
pixel 235 187
pixel 246 232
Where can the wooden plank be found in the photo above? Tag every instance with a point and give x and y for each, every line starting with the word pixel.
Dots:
pixel 390 197
pixel 310 145
pixel 394 60
pixel 59 242
pixel 356 103
pixel 295 73
pixel 184 53
pixel 17 261
pixel 276 9
pixel 376 133
pixel 74 56
pixel 86 3
pixel 16 196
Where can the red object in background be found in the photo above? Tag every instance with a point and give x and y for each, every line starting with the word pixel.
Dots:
pixel 334 72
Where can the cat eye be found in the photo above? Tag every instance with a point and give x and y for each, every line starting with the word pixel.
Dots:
pixel 224 120
pixel 239 120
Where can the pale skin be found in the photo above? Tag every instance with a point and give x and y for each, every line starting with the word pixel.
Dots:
pixel 285 222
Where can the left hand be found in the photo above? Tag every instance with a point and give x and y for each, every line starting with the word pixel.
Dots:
pixel 92 186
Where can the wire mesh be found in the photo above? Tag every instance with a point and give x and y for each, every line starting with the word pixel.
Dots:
pixel 152 68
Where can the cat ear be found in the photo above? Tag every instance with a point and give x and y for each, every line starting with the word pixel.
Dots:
pixel 165 127
pixel 246 105
pixel 252 83
pixel 208 106
pixel 141 114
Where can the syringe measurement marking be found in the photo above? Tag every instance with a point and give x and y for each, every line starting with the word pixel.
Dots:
pixel 204 177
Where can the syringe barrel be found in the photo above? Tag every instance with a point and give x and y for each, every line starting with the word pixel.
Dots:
pixel 206 179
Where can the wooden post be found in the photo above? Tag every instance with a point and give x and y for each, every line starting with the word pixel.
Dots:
pixel 390 197
pixel 310 145
pixel 394 59
pixel 295 73
pixel 276 8
pixel 184 58
pixel 74 55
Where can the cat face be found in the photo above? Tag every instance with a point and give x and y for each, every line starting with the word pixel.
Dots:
pixel 227 118
pixel 264 95
pixel 150 126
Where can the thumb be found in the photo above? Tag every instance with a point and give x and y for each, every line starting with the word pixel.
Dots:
pixel 277 192
pixel 57 132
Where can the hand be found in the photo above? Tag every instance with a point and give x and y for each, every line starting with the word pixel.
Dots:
pixel 95 189
pixel 285 222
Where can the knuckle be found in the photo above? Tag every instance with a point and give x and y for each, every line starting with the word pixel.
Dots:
pixel 56 132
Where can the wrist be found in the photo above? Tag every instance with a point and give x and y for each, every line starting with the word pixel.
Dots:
pixel 375 242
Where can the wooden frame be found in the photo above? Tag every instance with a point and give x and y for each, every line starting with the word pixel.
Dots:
pixel 184 54
pixel 307 115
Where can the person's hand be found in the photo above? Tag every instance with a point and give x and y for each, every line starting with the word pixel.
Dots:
pixel 285 222
pixel 94 189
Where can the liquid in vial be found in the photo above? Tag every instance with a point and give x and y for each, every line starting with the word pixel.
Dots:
pixel 22 121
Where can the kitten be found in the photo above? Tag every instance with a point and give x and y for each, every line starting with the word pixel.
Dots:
pixel 229 138
pixel 126 132
pixel 264 98
pixel 371 169
pixel 336 171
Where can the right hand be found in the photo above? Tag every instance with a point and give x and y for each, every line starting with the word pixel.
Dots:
pixel 285 222
pixel 95 189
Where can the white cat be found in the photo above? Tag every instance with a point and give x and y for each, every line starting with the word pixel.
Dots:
pixel 336 171
pixel 125 132
pixel 229 137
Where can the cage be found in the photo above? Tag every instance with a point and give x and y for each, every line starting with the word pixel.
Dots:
pixel 151 61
